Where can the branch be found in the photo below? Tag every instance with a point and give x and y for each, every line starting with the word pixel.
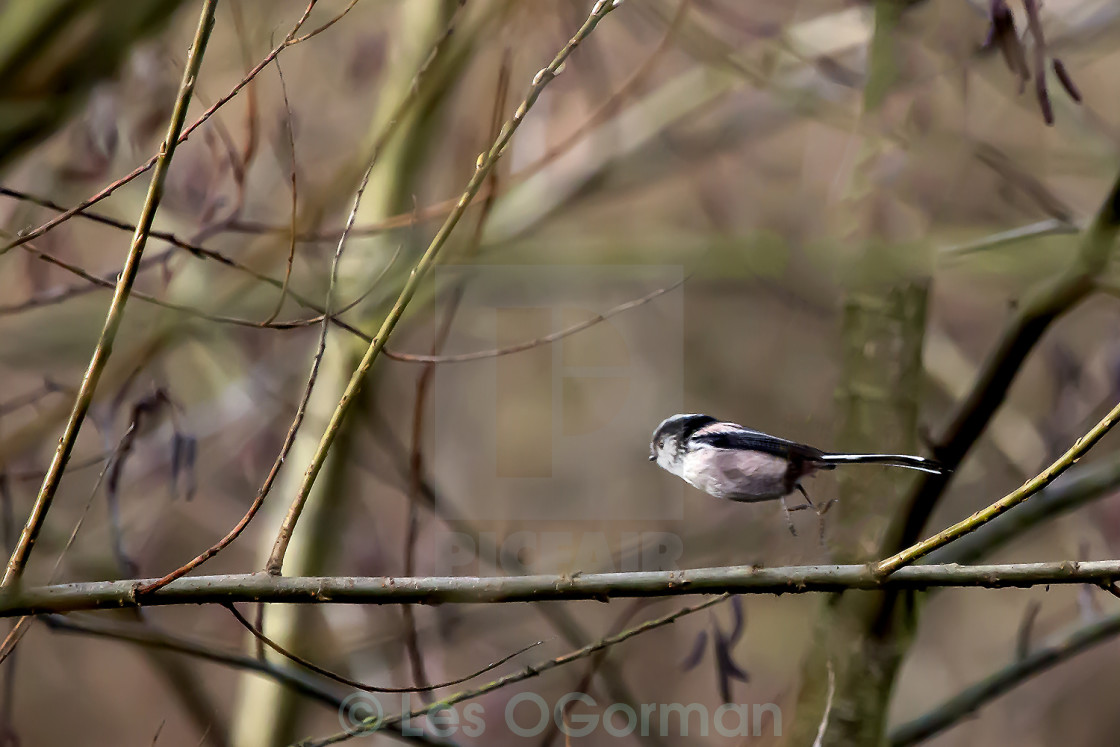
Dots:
pixel 1025 491
pixel 483 167
pixel 100 357
pixel 970 699
pixel 378 590
pixel 1048 227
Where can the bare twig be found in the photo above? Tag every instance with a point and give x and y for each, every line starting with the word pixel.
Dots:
pixel 823 728
pixel 111 188
pixel 1025 491
pixel 974 697
pixel 295 195
pixel 374 725
pixel 530 344
pixel 100 357
pixel 361 685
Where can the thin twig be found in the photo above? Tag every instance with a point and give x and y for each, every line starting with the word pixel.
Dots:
pixel 259 635
pixel 94 280
pixel 55 296
pixel 511 679
pixel 530 344
pixel 34 233
pixel 18 560
pixel 823 728
pixel 295 195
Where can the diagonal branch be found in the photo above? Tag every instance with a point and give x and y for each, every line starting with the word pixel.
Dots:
pixel 483 167
pixel 972 698
pixel 1009 501
pixel 101 353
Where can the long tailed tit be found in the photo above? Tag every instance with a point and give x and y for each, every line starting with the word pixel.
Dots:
pixel 729 461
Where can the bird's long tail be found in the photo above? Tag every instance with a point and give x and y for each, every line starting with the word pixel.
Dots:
pixel 893 460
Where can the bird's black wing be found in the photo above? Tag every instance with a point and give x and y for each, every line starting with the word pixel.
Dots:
pixel 721 436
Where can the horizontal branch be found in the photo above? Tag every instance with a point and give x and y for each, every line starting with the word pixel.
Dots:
pixel 263 587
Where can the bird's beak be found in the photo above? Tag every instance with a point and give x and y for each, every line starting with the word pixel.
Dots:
pixel 653 457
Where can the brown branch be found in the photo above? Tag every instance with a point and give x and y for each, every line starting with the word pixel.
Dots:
pixel 295 195
pixel 34 233
pixel 259 635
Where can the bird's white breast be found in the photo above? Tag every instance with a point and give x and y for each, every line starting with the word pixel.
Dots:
pixel 736 475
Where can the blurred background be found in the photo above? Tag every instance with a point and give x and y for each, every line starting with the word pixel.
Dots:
pixel 734 146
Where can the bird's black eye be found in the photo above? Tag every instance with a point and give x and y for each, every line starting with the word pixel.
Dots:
pixel 660 443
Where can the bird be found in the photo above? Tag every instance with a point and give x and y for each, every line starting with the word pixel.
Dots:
pixel 729 461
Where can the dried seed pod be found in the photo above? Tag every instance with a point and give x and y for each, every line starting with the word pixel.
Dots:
pixel 1065 80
